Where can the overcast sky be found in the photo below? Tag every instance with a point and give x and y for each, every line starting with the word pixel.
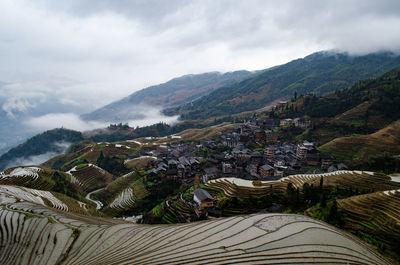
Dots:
pixel 88 53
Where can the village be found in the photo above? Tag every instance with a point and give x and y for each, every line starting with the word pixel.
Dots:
pixel 251 151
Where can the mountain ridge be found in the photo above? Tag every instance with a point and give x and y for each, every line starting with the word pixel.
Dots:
pixel 174 92
pixel 317 73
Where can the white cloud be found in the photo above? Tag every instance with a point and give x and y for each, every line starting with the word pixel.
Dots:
pixel 65 120
pixel 152 116
pixel 31 160
pixel 75 56
pixel 72 121
pixel 112 48
pixel 41 158
pixel 13 105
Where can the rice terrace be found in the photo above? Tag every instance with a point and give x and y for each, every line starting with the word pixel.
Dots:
pixel 199 132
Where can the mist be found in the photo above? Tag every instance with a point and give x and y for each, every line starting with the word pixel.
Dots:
pixel 60 148
pixel 145 116
pixel 32 160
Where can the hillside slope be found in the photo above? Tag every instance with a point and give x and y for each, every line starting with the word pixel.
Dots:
pixel 49 143
pixel 172 93
pixel 361 147
pixel 361 109
pixel 318 73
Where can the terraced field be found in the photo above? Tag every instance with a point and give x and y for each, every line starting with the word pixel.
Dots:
pixel 123 148
pixel 363 180
pixel 376 213
pixel 35 234
pixel 31 177
pixel 362 147
pixel 90 177
pixel 128 197
pixel 124 200
pixel 175 210
pixel 32 195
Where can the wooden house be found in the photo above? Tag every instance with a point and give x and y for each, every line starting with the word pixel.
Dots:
pixel 266 171
pixel 203 199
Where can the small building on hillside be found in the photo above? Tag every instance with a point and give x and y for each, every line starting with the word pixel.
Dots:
pixel 285 122
pixel 227 168
pixel 312 159
pixel 342 166
pixel 332 169
pixel 252 170
pixel 270 151
pixel 303 149
pixel 203 199
pixel 259 136
pixel 266 171
pixel 326 161
pixel 302 123
pixel 271 137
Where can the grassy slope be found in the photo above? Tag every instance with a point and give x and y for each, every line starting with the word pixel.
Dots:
pixel 90 152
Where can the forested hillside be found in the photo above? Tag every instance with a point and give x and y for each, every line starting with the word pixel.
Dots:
pixel 56 141
pixel 317 73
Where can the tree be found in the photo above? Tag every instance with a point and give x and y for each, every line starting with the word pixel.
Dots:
pixel 334 216
pixel 100 158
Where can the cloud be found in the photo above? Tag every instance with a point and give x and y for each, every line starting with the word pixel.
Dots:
pixel 88 53
pixel 61 148
pixel 31 160
pixel 152 116
pixel 148 116
pixel 112 48
pixel 65 120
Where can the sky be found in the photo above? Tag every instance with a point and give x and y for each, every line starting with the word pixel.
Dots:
pixel 77 55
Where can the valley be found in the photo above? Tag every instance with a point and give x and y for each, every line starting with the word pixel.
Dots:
pixel 199 132
pixel 264 185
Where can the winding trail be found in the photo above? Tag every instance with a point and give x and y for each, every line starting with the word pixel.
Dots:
pixel 99 204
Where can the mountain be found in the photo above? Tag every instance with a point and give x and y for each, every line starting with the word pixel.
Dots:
pixel 172 93
pixel 317 73
pixel 40 148
pixel 17 110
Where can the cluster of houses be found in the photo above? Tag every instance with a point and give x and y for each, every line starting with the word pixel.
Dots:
pixel 252 151
pixel 297 122
pixel 183 168
pixel 272 159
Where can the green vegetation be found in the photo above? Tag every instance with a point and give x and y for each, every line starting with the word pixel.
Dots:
pixel 49 180
pixel 121 132
pixel 81 166
pixel 113 164
pixel 384 162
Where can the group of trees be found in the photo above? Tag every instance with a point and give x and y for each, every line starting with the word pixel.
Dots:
pixel 113 164
pixel 385 163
